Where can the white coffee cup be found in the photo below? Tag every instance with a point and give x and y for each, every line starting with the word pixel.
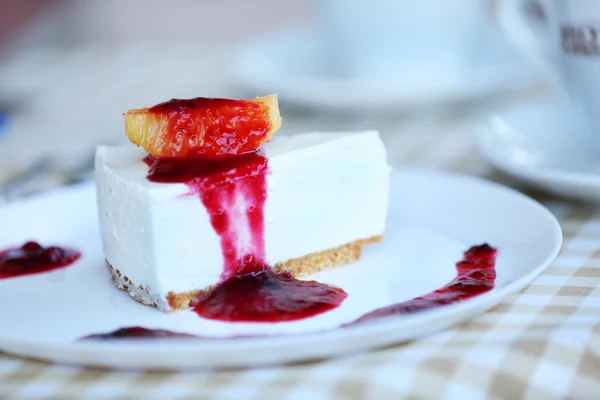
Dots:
pixel 562 39
pixel 386 38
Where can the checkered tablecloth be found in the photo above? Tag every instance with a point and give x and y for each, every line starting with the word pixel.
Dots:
pixel 543 343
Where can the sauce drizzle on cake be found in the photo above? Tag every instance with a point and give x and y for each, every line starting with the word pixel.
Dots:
pixel 233 191
pixel 32 258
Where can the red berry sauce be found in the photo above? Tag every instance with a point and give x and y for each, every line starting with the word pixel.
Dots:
pixel 476 274
pixel 242 297
pixel 233 190
pixel 137 332
pixel 32 258
pixel 258 294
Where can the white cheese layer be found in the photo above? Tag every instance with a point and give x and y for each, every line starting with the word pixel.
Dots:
pixel 323 190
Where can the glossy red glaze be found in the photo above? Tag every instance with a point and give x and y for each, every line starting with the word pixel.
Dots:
pixel 32 258
pixel 258 294
pixel 219 184
pixel 476 274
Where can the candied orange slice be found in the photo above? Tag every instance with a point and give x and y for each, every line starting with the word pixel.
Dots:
pixel 204 127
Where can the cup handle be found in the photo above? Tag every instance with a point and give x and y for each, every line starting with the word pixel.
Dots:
pixel 531 35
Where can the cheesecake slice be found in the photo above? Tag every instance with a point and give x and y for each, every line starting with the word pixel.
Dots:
pixel 325 197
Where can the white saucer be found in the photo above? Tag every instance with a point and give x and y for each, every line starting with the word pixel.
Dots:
pixel 433 219
pixel 291 64
pixel 545 143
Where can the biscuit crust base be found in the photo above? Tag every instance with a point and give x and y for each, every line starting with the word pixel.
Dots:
pixel 299 267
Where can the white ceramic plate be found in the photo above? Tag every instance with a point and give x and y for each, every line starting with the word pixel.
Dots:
pixel 433 218
pixel 291 65
pixel 545 143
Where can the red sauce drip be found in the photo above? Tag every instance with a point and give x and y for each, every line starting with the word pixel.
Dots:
pixel 203 127
pixel 476 274
pixel 32 258
pixel 137 332
pixel 258 294
pixel 244 296
pixel 219 184
pixel 233 191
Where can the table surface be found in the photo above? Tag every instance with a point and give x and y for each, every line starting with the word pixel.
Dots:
pixel 542 343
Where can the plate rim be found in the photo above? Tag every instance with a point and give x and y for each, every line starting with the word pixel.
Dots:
pixel 380 332
pixel 485 134
pixel 521 75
